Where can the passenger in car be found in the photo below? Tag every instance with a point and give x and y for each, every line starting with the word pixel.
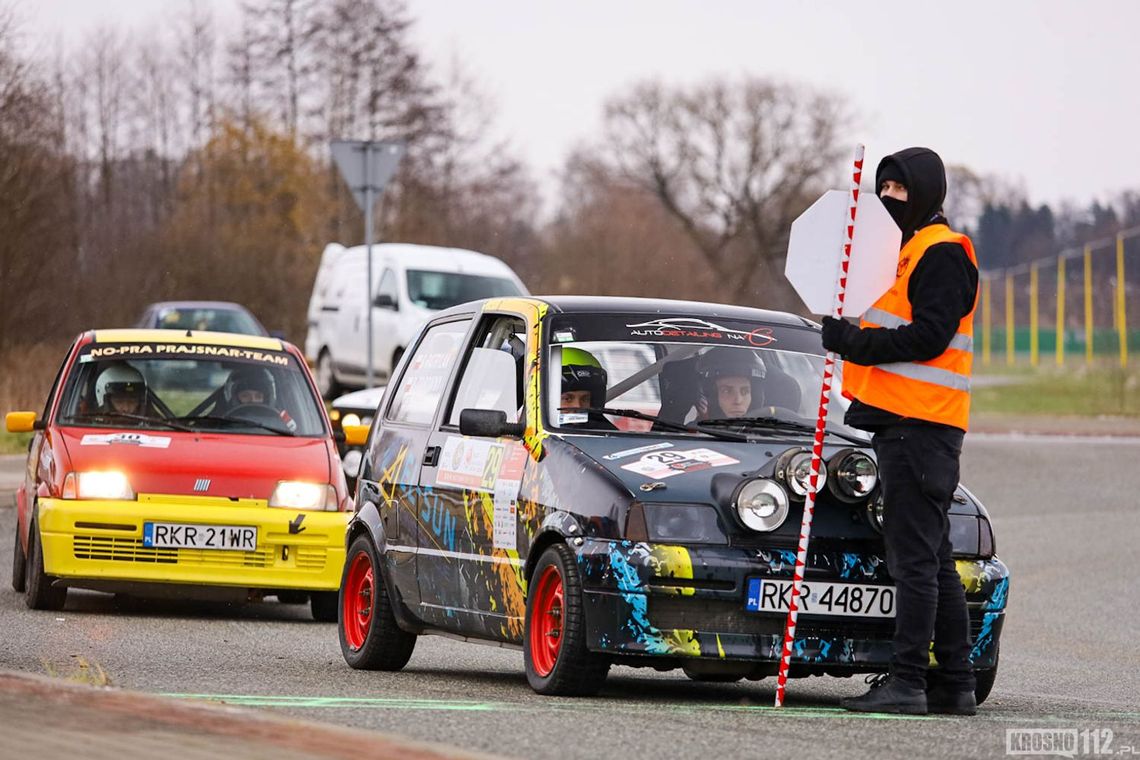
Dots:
pixel 730 382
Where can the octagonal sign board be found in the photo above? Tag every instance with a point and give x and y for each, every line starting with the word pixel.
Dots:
pixel 816 245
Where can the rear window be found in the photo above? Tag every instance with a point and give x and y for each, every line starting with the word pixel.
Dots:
pixel 214 320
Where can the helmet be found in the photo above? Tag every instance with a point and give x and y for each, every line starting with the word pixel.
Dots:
pixel 582 372
pixel 730 362
pixel 250 379
pixel 119 380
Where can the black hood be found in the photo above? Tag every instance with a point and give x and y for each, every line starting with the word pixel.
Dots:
pixel 925 179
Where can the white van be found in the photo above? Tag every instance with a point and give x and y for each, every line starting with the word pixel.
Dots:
pixel 410 284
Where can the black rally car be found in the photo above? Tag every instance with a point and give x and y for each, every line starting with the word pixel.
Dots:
pixel 608 481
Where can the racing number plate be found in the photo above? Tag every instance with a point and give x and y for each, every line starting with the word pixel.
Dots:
pixel 240 538
pixel 820 598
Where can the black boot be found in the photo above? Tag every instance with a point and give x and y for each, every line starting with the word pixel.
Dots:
pixel 947 700
pixel 888 695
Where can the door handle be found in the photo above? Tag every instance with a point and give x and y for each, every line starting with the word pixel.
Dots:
pixel 431 456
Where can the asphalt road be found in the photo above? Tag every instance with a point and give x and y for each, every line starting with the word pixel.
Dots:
pixel 1067 516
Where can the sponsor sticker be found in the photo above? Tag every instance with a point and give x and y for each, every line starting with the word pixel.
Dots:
pixel 639 450
pixel 488 467
pixel 658 465
pixel 127 439
pixel 572 418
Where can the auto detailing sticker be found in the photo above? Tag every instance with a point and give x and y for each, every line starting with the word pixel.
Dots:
pixel 665 464
pixel 639 450
pixel 129 439
pixel 692 328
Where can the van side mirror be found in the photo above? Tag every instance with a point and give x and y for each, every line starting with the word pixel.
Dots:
pixel 488 423
pixel 385 301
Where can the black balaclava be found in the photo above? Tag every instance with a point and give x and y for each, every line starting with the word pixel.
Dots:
pixel 921 171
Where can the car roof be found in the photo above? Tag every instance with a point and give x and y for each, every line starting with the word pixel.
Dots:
pixel 201 337
pixel 659 307
pixel 433 257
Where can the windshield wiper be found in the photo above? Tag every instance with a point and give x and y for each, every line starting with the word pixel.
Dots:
pixel 125 416
pixel 680 427
pixel 236 421
pixel 777 423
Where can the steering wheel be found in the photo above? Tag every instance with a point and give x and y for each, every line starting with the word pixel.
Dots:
pixel 258 413
pixel 779 412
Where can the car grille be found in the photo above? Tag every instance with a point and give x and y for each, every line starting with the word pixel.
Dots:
pixel 120 549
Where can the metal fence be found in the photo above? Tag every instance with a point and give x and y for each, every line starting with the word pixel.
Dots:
pixel 1072 304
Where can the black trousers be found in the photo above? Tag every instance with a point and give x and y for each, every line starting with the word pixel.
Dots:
pixel 918 465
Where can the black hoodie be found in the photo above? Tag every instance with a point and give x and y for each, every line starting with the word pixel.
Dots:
pixel 941 290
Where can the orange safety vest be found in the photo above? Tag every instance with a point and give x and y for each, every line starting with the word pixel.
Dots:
pixel 937 390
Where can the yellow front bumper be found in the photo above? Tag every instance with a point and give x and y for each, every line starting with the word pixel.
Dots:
pixel 103 540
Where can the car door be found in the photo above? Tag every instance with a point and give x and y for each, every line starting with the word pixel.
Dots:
pixel 474 485
pixel 385 322
pixel 395 460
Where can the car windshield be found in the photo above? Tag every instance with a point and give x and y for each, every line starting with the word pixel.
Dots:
pixel 215 320
pixel 719 375
pixel 153 386
pixel 441 290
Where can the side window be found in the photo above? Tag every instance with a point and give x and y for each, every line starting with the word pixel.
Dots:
pixel 55 384
pixel 387 287
pixel 423 381
pixel 493 375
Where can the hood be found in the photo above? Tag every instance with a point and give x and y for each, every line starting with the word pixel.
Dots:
pixel 925 180
pixel 369 398
pixel 236 466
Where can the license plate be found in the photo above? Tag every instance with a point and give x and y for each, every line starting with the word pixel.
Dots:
pixel 240 538
pixel 821 598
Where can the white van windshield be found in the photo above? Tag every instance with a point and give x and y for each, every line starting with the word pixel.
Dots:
pixel 440 290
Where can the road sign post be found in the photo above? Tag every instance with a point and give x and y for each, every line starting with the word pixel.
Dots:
pixel 367 166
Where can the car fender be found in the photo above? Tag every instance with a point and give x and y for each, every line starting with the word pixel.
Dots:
pixel 367 521
pixel 557 527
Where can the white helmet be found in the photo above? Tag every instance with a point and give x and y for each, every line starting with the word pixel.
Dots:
pixel 119 380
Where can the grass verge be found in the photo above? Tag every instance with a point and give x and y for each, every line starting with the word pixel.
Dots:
pixel 1081 391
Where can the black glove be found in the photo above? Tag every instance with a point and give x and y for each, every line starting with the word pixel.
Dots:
pixel 838 334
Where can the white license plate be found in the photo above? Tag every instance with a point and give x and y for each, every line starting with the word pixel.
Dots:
pixel 821 598
pixel 240 538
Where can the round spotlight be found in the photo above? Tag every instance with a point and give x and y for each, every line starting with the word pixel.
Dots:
pixel 761 504
pixel 793 468
pixel 853 475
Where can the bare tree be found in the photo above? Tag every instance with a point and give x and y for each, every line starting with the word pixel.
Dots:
pixel 734 162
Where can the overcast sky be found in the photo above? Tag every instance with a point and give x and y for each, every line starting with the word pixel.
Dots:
pixel 1040 91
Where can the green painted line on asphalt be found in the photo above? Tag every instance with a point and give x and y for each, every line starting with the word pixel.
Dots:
pixel 261 700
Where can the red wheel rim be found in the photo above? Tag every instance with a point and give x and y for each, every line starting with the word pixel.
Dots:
pixel 546 624
pixel 359 600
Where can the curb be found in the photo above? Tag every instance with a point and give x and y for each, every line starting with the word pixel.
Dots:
pixel 220 726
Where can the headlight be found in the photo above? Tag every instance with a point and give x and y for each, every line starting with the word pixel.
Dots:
pixel 794 469
pixel 350 419
pixel 97 485
pixel 853 475
pixel 875 511
pixel 761 504
pixel 294 494
pixel 682 523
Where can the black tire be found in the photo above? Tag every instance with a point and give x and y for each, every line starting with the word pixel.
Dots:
pixel 384 645
pixel 19 564
pixel 576 671
pixel 985 680
pixel 323 605
pixel 40 594
pixel 326 376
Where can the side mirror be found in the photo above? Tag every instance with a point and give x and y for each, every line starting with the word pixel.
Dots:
pixel 488 423
pixel 385 301
pixel 22 422
pixel 355 435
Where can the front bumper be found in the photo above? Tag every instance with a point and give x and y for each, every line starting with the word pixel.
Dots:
pixel 686 602
pixel 102 541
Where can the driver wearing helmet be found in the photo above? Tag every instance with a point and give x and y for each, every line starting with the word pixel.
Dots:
pixel 584 383
pixel 120 389
pixel 730 381
pixel 250 385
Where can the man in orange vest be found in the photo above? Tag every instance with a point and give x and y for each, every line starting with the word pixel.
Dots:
pixel 907 370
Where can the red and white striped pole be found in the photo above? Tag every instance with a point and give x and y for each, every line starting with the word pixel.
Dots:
pixel 820 426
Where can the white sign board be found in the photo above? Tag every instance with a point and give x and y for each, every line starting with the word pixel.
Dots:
pixel 816 245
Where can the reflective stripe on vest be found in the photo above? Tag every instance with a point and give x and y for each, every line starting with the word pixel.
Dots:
pixel 882 318
pixel 927 374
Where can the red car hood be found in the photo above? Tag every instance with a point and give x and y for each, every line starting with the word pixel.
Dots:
pixel 236 466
